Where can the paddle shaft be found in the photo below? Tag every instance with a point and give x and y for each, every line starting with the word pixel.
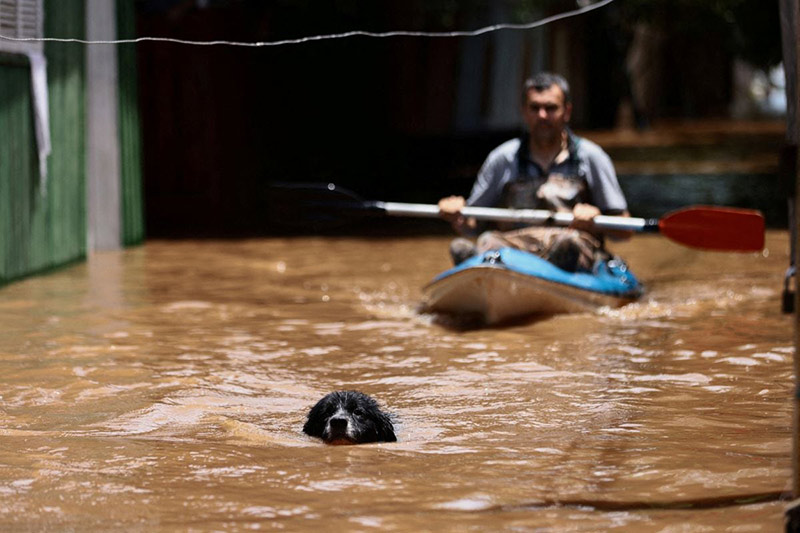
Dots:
pixel 704 227
pixel 525 216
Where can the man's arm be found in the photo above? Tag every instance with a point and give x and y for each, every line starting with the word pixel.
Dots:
pixel 607 195
pixel 486 190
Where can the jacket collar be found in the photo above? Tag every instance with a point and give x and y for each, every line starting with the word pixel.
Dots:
pixel 523 154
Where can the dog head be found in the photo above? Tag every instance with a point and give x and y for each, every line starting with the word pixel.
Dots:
pixel 349 417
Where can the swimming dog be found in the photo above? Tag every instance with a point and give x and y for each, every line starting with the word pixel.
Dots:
pixel 349 417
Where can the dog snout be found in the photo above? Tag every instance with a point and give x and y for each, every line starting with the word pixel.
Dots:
pixel 338 424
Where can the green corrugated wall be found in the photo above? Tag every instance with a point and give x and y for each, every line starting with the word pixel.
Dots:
pixel 129 130
pixel 43 229
pixel 62 237
pixel 16 159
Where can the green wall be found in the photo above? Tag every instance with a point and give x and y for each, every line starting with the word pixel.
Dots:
pixel 21 207
pixel 129 129
pixel 41 229
pixel 63 235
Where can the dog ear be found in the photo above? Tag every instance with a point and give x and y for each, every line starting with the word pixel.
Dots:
pixel 315 425
pixel 385 428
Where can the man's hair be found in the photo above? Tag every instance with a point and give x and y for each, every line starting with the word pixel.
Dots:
pixel 543 81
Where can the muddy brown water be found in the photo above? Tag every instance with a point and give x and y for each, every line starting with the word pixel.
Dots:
pixel 164 388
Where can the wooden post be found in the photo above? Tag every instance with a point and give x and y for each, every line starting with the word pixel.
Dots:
pixel 792 127
pixel 794 136
pixel 103 157
pixel 790 15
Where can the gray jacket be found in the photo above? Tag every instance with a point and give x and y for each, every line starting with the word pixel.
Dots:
pixel 509 178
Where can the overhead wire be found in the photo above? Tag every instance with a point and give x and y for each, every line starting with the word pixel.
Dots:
pixel 326 37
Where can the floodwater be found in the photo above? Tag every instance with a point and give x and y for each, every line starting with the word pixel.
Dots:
pixel 164 388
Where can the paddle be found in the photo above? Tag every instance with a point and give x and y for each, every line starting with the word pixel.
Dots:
pixel 705 227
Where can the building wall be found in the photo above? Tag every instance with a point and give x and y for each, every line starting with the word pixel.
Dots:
pixel 133 227
pixel 43 225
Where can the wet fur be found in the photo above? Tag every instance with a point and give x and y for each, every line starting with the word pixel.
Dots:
pixel 349 417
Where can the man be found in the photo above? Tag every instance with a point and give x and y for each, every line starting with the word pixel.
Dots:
pixel 549 167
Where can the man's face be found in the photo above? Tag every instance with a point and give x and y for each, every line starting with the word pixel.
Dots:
pixel 546 114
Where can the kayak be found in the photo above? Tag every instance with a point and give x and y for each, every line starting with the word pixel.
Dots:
pixel 507 284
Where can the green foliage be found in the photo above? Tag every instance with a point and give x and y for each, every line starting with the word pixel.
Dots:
pixel 749 29
pixel 757 36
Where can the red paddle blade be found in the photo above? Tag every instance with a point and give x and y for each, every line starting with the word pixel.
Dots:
pixel 715 228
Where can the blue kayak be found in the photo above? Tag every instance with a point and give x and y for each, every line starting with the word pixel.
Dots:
pixel 507 284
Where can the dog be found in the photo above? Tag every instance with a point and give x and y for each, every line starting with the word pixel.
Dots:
pixel 349 417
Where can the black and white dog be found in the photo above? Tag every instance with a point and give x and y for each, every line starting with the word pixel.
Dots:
pixel 349 417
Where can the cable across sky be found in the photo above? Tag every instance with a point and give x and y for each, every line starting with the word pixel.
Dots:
pixel 332 36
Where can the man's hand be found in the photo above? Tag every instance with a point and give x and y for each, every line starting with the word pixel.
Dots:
pixel 450 207
pixel 584 217
pixel 450 210
pixel 584 220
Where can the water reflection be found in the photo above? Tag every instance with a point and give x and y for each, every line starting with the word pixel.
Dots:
pixel 165 387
